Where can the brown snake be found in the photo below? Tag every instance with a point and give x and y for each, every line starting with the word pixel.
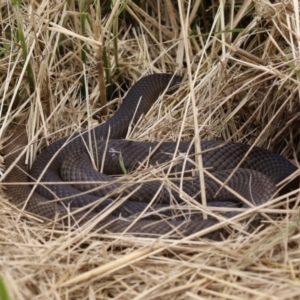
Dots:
pixel 69 159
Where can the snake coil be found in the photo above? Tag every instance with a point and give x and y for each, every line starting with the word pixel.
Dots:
pixel 69 160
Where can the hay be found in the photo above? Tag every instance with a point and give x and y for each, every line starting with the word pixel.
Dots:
pixel 241 63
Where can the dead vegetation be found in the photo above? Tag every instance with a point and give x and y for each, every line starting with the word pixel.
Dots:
pixel 240 60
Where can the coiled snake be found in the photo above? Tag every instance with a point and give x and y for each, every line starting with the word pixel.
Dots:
pixel 69 160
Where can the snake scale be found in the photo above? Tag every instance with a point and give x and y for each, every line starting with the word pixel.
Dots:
pixel 66 174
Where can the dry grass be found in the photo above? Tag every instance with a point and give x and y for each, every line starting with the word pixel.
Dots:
pixel 241 63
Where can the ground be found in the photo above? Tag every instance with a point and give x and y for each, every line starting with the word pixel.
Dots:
pixel 240 61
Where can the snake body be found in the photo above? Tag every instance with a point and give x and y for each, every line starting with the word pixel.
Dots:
pixel 69 160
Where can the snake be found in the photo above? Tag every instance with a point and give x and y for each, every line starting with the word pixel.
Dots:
pixel 65 183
